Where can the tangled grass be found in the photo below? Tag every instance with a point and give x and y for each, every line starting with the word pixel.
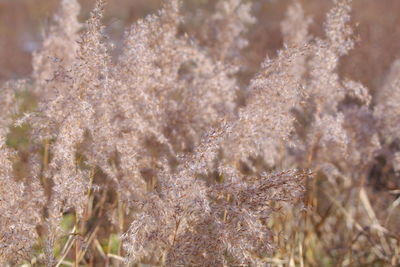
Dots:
pixel 162 153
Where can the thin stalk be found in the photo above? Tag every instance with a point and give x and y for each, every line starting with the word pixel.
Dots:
pixel 76 262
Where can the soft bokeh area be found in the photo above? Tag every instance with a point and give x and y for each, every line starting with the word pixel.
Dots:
pixel 22 23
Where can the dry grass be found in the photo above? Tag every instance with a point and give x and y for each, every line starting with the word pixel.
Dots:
pixel 213 133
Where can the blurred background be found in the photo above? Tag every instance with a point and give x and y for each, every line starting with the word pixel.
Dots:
pixel 23 22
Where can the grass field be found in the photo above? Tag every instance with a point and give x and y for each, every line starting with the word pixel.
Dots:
pixel 200 133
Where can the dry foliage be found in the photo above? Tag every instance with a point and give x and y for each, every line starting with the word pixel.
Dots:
pixel 160 154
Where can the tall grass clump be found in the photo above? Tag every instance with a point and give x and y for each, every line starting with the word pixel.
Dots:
pixel 161 153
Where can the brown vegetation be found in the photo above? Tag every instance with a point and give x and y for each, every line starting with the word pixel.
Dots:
pixel 176 145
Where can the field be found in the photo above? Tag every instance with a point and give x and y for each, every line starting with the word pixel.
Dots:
pixel 199 133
